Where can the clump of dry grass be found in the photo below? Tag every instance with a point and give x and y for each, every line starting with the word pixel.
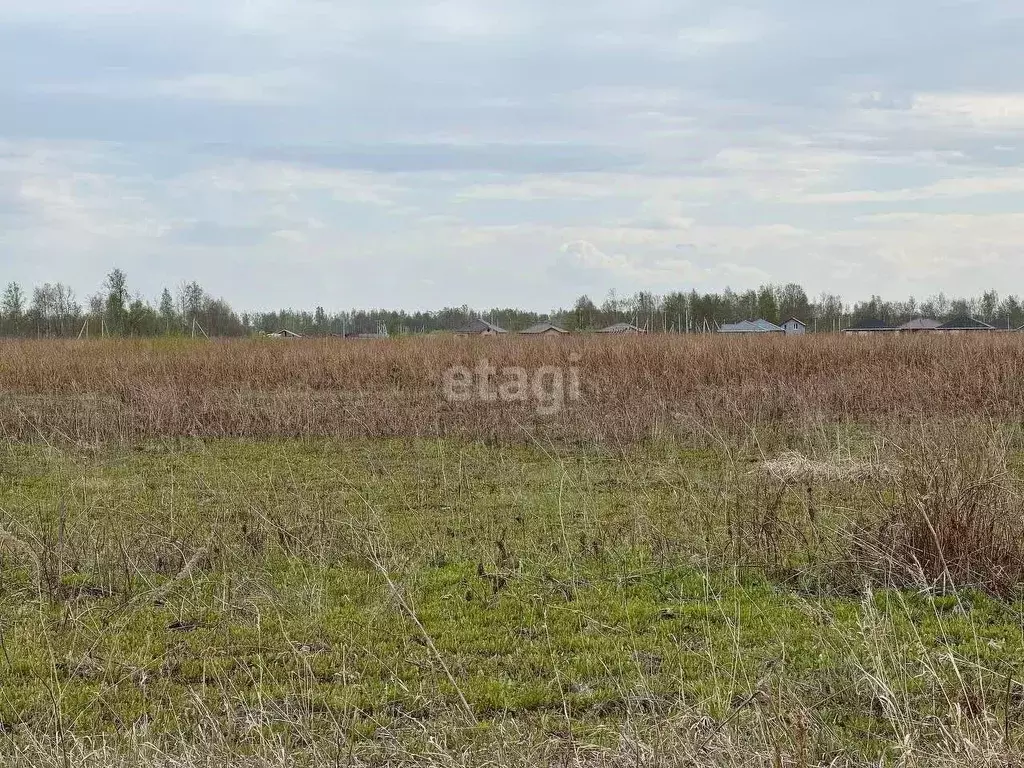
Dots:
pixel 953 513
pixel 794 467
pixel 934 505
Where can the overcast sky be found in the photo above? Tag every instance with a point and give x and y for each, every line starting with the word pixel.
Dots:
pixel 419 154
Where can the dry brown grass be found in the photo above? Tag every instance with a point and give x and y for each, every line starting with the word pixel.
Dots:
pixel 633 389
pixel 689 741
pixel 952 512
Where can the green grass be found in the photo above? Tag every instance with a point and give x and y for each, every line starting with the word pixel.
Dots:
pixel 318 594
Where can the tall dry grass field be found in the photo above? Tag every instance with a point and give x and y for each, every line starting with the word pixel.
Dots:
pixel 632 389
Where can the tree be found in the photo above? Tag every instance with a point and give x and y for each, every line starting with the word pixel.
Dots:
pixel 793 303
pixel 611 308
pixel 191 296
pixel 828 313
pixel 958 308
pixel 989 306
pixel 644 305
pixel 13 307
pixel 904 311
pixel 117 301
pixel 676 308
pixel 142 319
pixel 583 313
pixel 218 319
pixel 936 306
pixel 168 317
pixel 42 310
pixel 1011 313
pixel 746 305
pixel 66 309
pixel 767 305
pixel 873 309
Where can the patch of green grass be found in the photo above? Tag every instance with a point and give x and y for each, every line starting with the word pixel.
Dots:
pixel 311 591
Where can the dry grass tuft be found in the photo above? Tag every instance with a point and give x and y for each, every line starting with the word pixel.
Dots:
pixel 952 514
pixel 793 467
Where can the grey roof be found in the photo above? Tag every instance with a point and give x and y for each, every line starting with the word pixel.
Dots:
pixel 920 324
pixel 544 328
pixel 621 328
pixel 480 326
pixel 796 320
pixel 744 326
pixel 871 324
pixel 966 324
pixel 751 326
pixel 284 333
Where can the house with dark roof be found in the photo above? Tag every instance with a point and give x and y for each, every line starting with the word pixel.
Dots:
pixel 920 325
pixel 966 325
pixel 868 326
pixel 545 329
pixel 622 328
pixel 284 333
pixel 479 327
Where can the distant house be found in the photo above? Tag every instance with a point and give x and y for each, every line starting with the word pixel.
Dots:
pixel 920 325
pixel 545 329
pixel 480 327
pixel 284 334
pixel 751 326
pixel 622 328
pixel 965 325
pixel 869 326
pixel 794 327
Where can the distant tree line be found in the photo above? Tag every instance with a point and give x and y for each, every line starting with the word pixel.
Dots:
pixel 52 310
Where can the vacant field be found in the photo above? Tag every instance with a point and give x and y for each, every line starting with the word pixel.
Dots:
pixel 751 552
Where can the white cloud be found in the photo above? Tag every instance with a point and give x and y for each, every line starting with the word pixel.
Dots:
pixel 731 28
pixel 90 206
pixel 270 88
pixel 984 110
pixel 289 181
pixel 586 260
pixel 955 188
pixel 274 88
pixel 579 187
